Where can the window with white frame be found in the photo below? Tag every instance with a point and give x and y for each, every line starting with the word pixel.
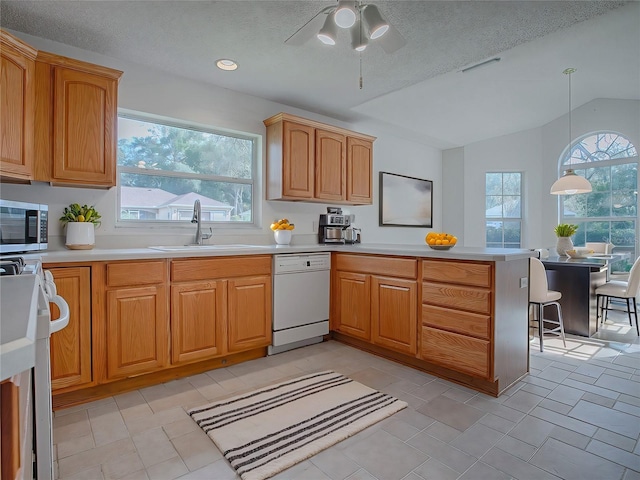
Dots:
pixel 610 212
pixel 503 209
pixel 164 167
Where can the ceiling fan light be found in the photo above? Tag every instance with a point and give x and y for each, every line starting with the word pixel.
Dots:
pixel 359 40
pixel 376 25
pixel 345 14
pixel 570 184
pixel 327 33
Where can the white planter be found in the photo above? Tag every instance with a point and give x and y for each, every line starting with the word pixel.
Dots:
pixel 80 236
pixel 283 237
pixel 564 244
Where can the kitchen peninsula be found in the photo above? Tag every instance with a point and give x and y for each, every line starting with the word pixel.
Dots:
pixel 459 314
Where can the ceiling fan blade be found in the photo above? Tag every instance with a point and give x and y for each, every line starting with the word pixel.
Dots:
pixel 392 40
pixel 309 29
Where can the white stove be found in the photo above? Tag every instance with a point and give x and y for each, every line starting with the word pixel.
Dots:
pixel 37 286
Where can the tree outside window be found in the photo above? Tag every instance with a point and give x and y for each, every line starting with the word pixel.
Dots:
pixel 163 169
pixel 610 212
pixel 503 209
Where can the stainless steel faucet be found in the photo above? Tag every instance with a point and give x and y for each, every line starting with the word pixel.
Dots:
pixel 197 219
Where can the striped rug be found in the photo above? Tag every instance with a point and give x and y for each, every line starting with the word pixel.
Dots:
pixel 268 430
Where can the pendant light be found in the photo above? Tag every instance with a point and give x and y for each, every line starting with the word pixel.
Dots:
pixel 570 183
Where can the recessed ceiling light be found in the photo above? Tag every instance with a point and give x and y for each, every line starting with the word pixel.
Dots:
pixel 226 64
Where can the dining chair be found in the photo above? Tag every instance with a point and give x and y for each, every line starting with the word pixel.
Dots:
pixel 541 297
pixel 621 290
pixel 599 247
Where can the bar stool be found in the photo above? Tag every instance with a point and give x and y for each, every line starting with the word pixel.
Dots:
pixel 540 296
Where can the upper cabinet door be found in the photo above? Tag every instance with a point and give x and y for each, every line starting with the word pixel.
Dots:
pixel 17 96
pixel 331 166
pixel 297 160
pixel 359 171
pixel 84 128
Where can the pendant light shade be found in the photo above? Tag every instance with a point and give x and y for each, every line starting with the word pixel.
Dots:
pixel 570 184
pixel 376 25
pixel 345 15
pixel 328 32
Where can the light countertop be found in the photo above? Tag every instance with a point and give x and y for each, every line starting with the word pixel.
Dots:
pixel 18 318
pixel 422 251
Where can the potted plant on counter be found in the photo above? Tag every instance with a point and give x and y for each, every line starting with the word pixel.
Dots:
pixel 80 222
pixel 564 231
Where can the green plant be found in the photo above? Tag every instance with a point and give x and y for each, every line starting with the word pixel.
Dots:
pixel 565 229
pixel 77 213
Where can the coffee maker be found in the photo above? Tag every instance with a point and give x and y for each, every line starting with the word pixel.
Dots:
pixel 331 225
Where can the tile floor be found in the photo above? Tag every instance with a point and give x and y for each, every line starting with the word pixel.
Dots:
pixel 576 416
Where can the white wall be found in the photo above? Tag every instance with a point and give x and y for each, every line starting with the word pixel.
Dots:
pixel 150 91
pixel 536 153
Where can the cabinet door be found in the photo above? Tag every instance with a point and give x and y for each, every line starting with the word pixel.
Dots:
pixel 17 96
pixel 137 330
pixel 359 171
pixel 394 315
pixel 297 160
pixel 249 310
pixel 84 128
pixel 71 346
pixel 330 166
pixel 198 319
pixel 353 304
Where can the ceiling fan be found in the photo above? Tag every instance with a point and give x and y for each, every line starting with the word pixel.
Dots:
pixel 364 21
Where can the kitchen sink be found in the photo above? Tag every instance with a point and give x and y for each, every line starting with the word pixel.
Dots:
pixel 196 248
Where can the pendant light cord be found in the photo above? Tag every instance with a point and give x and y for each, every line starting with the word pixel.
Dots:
pixel 569 71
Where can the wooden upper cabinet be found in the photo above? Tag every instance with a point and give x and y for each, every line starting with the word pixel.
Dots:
pixel 359 171
pixel 76 122
pixel 315 162
pixel 331 167
pixel 297 160
pixel 17 97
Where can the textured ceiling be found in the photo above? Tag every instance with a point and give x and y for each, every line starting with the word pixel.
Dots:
pixel 536 40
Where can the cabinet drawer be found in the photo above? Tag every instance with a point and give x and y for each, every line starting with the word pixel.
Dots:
pixel 456 352
pixel 463 298
pixel 135 273
pixel 221 267
pixel 377 265
pixel 465 273
pixel 457 321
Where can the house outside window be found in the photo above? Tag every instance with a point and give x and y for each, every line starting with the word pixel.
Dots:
pixel 610 212
pixel 164 167
pixel 503 209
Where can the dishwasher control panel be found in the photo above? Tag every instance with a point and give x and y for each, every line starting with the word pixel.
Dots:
pixel 301 262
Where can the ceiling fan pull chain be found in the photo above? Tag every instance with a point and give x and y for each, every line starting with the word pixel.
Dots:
pixel 361 71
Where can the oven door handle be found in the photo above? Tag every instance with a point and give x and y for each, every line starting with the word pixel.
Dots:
pixel 63 321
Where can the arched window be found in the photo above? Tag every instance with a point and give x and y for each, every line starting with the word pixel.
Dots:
pixel 610 212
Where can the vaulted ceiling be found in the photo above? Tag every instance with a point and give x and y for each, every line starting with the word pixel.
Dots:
pixel 417 92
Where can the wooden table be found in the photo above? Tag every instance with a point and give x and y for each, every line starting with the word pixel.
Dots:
pixel 577 280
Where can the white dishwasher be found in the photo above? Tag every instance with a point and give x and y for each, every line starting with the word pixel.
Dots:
pixel 300 300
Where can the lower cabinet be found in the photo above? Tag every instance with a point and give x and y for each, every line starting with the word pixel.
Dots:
pixel 219 306
pixel 137 320
pixel 373 302
pixel 71 362
pixel 456 316
pixel 394 317
pixel 198 321
pixel 249 308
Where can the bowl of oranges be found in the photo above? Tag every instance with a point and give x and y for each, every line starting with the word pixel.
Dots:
pixel 440 240
pixel 282 231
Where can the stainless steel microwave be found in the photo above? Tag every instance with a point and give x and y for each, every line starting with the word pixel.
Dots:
pixel 23 226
